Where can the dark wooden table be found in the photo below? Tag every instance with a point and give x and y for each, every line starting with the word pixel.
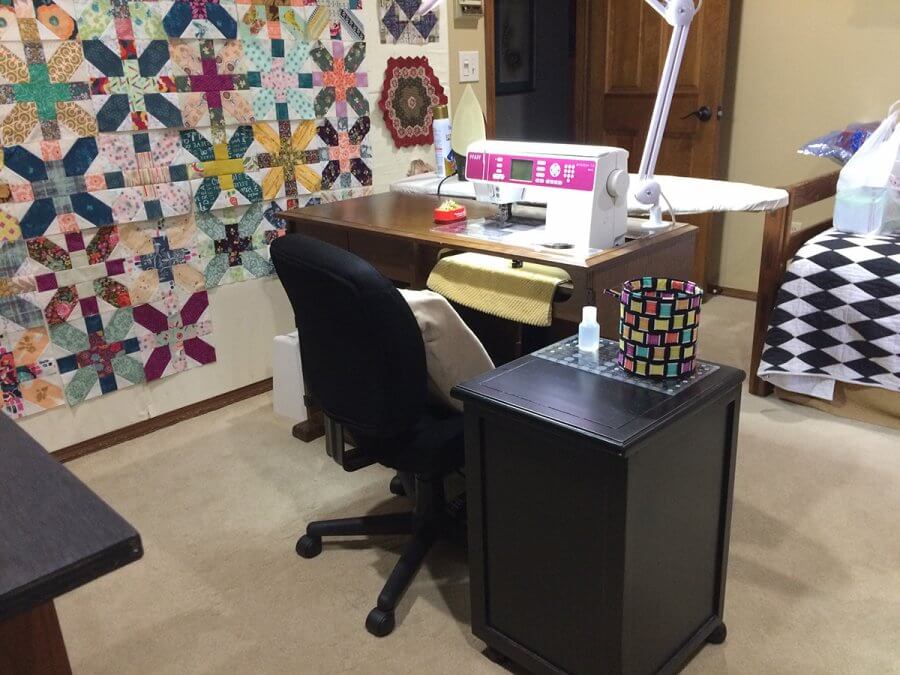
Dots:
pixel 55 535
pixel 599 516
pixel 395 233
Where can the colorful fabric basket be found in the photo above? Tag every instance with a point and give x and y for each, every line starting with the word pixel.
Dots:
pixel 659 323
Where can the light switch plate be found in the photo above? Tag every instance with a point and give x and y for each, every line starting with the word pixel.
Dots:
pixel 469 67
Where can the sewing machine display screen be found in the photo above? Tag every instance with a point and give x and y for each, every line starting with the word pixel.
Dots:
pixel 522 169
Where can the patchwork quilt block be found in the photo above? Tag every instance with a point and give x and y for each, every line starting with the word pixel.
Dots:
pixel 10 229
pixel 224 174
pixel 272 20
pixel 19 309
pixel 335 20
pixel 37 20
pixel 44 90
pixel 131 84
pixel 281 90
pixel 233 244
pixel 174 336
pixel 287 155
pixel 79 274
pixel 162 260
pixel 145 158
pixel 397 23
pixel 97 355
pixel 29 381
pixel 201 19
pixel 347 151
pixel 211 79
pixel 43 169
pixel 118 19
pixel 338 81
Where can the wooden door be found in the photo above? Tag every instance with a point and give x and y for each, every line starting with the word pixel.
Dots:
pixel 621 49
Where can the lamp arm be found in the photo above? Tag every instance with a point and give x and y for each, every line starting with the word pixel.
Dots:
pixel 679 14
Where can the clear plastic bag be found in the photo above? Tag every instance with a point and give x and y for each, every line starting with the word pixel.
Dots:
pixel 840 146
pixel 868 191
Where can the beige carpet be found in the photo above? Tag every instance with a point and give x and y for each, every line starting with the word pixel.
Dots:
pixel 813 586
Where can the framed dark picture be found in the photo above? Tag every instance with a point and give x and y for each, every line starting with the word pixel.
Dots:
pixel 514 46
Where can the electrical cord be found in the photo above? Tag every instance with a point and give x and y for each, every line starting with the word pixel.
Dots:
pixel 443 180
pixel 668 207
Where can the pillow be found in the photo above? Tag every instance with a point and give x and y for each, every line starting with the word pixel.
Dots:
pixel 452 352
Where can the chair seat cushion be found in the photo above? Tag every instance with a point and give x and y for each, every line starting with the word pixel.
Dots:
pixel 434 447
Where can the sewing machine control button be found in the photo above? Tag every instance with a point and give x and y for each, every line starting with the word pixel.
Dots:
pixel 555 169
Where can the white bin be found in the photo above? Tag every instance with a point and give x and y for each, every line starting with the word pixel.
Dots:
pixel 287 375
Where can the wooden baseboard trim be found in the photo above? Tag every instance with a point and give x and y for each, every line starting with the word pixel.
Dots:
pixel 733 293
pixel 148 426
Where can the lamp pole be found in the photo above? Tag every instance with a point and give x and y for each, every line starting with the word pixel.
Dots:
pixel 679 14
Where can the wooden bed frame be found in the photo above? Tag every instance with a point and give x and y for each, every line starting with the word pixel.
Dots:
pixel 780 245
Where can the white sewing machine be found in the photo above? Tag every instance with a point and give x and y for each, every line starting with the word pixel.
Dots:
pixel 585 187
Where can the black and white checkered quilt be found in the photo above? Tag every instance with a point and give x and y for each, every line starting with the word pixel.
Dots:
pixel 837 316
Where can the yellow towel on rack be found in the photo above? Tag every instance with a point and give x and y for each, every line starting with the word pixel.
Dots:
pixel 492 285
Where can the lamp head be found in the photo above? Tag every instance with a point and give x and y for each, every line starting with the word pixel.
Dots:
pixel 427 6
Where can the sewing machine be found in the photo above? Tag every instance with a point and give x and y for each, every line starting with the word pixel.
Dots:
pixel 585 188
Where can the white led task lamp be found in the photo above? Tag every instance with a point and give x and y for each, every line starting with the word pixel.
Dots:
pixel 679 14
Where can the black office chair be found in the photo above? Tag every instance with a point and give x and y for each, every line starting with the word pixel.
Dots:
pixel 364 364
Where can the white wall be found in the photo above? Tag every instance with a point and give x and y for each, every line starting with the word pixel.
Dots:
pixel 245 316
pixel 804 67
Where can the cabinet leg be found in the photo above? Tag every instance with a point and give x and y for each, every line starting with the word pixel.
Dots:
pixel 312 428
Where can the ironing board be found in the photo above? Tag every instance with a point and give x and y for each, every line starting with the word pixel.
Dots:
pixel 687 195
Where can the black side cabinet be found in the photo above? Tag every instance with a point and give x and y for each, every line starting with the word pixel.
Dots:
pixel 599 516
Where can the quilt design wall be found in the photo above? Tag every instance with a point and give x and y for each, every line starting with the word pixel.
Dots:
pixel 148 146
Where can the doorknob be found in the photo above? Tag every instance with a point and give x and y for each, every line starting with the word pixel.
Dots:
pixel 704 114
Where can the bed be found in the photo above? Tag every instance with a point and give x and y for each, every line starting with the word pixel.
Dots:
pixel 827 316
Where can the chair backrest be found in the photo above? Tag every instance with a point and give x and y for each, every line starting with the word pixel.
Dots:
pixel 363 354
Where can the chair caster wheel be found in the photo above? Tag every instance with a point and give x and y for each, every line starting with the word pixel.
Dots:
pixel 380 623
pixel 397 487
pixel 718 636
pixel 309 547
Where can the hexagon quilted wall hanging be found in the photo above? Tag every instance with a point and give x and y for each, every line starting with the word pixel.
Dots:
pixel 411 91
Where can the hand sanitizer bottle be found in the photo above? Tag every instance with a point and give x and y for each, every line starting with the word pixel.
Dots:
pixel 589 330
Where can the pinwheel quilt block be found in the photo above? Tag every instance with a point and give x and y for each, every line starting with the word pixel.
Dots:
pixel 287 154
pixel 347 151
pixel 234 244
pixel 44 92
pixel 132 85
pixel 339 81
pixel 97 355
pixel 29 381
pixel 398 23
